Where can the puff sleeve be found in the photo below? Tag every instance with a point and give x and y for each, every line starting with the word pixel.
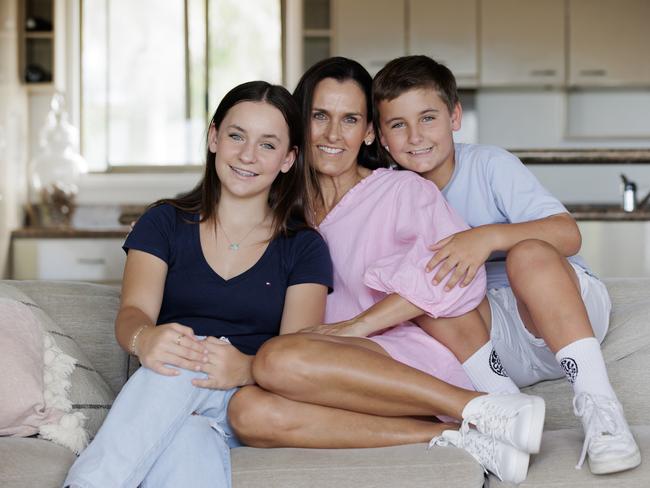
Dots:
pixel 419 218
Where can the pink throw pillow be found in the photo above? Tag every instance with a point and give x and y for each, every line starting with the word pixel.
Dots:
pixel 22 404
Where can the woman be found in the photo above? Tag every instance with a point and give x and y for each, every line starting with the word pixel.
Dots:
pixel 233 259
pixel 344 389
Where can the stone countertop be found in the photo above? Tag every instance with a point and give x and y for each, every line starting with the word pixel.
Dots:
pixel 68 233
pixel 581 212
pixel 583 156
pixel 607 212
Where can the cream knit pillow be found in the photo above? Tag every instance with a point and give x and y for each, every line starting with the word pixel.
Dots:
pixel 35 383
pixel 89 395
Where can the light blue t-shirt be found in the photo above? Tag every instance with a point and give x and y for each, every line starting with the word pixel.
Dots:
pixel 492 186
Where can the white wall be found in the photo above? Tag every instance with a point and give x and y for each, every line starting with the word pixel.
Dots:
pixel 541 119
pixel 518 118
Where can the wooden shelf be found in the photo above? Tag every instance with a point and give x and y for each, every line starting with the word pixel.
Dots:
pixel 39 87
pixel 36 47
pixel 39 35
pixel 317 33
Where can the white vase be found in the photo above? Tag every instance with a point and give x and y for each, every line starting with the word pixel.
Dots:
pixel 57 167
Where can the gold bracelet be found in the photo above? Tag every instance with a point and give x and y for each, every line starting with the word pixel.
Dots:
pixel 135 337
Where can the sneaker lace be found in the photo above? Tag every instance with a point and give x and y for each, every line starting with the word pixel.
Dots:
pixel 481 447
pixel 599 415
pixel 493 420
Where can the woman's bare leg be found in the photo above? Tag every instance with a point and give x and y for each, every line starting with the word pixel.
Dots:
pixel 352 374
pixel 360 397
pixel 463 335
pixel 264 419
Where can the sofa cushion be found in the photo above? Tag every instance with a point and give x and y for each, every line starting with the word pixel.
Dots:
pixel 32 463
pixel 554 466
pixel 403 466
pixel 89 393
pixel 87 313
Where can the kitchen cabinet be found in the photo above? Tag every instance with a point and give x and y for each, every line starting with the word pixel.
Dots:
pixel 608 43
pixel 369 31
pixel 522 43
pixel 316 31
pixel 616 249
pixel 85 259
pixel 446 30
pixel 36 28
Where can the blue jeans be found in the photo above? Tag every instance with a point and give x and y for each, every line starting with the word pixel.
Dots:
pixel 151 437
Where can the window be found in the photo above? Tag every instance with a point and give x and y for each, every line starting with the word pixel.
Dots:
pixel 153 72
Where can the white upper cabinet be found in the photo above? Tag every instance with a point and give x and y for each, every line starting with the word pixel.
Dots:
pixel 369 31
pixel 609 42
pixel 523 42
pixel 446 30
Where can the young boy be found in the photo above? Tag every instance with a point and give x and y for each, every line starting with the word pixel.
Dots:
pixel 546 311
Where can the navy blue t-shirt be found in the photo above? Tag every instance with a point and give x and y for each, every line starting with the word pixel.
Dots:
pixel 246 308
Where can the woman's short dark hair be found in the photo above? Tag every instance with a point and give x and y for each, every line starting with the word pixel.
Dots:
pixel 341 69
pixel 290 194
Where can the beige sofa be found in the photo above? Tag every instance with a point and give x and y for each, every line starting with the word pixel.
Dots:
pixel 86 312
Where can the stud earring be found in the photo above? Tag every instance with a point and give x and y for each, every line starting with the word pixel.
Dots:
pixel 368 141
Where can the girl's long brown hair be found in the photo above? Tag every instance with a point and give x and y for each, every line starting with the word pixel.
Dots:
pixel 291 192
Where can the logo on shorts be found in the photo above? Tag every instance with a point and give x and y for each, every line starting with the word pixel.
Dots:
pixel 495 364
pixel 570 368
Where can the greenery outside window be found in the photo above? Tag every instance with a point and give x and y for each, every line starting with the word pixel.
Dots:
pixel 153 71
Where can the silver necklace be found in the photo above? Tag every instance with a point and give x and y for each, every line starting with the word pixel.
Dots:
pixel 234 246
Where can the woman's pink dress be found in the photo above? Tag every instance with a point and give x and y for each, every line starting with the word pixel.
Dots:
pixel 378 235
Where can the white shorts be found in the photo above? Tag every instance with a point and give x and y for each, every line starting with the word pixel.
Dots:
pixel 527 358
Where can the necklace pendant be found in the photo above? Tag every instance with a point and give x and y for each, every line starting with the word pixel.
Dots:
pixel 234 247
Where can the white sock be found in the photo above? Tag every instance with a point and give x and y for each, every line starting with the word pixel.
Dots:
pixel 486 372
pixel 584 367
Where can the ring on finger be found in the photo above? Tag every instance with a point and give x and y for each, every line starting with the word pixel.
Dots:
pixel 178 339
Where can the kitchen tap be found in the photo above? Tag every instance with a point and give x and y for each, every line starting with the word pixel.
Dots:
pixel 629 194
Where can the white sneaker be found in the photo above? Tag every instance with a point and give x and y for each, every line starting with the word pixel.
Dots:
pixel 608 440
pixel 503 460
pixel 516 419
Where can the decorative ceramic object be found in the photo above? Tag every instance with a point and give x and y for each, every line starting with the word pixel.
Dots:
pixel 56 168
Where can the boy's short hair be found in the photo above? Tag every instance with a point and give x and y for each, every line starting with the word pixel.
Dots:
pixel 412 72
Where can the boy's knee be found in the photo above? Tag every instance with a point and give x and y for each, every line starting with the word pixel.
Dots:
pixel 529 255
